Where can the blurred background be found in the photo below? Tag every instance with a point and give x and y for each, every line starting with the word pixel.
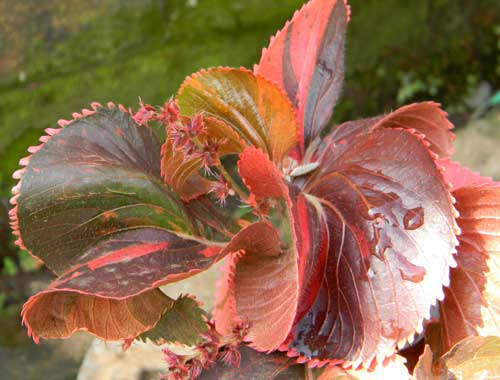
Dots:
pixel 57 56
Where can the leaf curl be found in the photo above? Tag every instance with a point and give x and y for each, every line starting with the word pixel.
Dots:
pixel 111 278
pixel 91 204
pixel 184 322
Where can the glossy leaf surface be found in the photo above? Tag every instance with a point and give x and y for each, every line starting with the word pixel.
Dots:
pixel 91 204
pixel 258 111
pixel 380 217
pixel 97 176
pixel 425 118
pixel 306 58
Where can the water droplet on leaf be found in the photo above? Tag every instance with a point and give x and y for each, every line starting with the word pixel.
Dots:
pixel 414 218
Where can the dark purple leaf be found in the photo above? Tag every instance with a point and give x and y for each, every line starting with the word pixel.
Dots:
pixel 378 214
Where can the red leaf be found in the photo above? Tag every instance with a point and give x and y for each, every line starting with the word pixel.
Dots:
pixel 427 119
pixel 381 213
pixel 459 176
pixel 312 247
pixel 258 237
pixel 471 304
pixel 260 176
pixel 260 289
pixel 111 275
pixel 306 58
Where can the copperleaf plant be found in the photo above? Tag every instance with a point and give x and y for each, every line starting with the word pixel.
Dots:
pixel 337 242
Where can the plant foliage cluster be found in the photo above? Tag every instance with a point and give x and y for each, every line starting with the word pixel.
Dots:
pixel 346 249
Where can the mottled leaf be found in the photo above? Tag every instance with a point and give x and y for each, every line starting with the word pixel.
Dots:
pixel 377 213
pixel 92 205
pixel 257 366
pixel 473 358
pixel 257 110
pixel 93 178
pixel 112 272
pixel 306 58
pixel 472 302
pixel 183 323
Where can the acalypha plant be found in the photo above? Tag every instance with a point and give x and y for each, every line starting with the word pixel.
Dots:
pixel 346 250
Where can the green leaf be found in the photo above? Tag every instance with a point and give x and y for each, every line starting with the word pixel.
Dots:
pixel 473 358
pixel 183 322
pixel 92 205
pixel 9 267
pixel 96 177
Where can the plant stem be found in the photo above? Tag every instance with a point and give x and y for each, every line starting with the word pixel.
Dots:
pixel 309 373
pixel 232 182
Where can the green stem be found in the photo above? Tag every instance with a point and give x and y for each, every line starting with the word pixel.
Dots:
pixel 232 182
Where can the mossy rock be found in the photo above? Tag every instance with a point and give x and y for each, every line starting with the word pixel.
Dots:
pixel 59 56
